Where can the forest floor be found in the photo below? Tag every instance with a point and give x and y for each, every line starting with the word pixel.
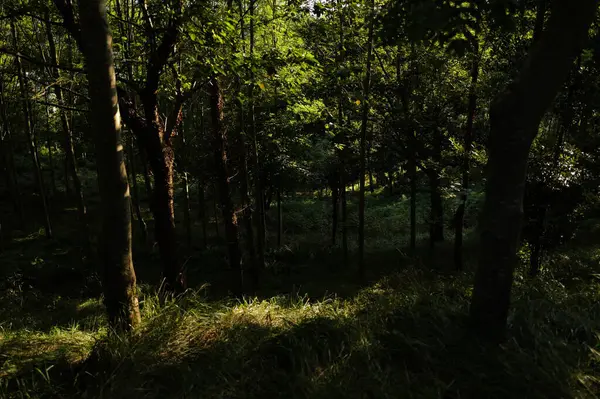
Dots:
pixel 312 331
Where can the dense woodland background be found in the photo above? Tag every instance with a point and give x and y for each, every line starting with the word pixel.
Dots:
pixel 266 198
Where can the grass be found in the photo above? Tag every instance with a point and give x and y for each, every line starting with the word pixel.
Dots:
pixel 312 331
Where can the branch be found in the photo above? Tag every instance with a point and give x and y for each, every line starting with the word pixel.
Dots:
pixel 159 58
pixel 65 8
pixel 5 50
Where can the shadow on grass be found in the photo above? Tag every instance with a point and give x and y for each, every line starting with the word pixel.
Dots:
pixel 394 339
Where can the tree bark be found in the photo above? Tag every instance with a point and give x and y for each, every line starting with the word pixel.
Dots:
pixel 70 161
pixel 222 176
pixel 514 120
pixel 279 219
pixel 49 144
pixel 436 223
pixel 258 188
pixel 8 159
pixel 136 193
pixel 247 213
pixel 187 220
pixel 363 144
pixel 460 212
pixel 31 138
pixel 335 200
pixel 119 282
pixel 202 210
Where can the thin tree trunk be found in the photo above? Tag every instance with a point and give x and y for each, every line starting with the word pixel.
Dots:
pixel 460 212
pixel 412 171
pixel 136 194
pixel 8 157
pixel 540 19
pixel 50 152
pixel 245 177
pixel 220 157
pixel 187 220
pixel 279 219
pixel 436 226
pixel 335 200
pixel 202 210
pixel 147 180
pixel 342 155
pixel 70 161
pixel 540 220
pixel 258 189
pixel 119 282
pixel 216 210
pixel 514 120
pixel 363 144
pixel 30 138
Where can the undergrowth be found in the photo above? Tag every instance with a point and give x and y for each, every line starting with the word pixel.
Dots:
pixel 403 336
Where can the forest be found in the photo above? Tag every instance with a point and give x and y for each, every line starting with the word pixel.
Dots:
pixel 299 199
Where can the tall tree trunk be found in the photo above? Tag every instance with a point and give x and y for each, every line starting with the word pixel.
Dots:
pixel 335 200
pixel 540 19
pixel 279 218
pixel 514 119
pixel 119 282
pixel 412 172
pixel 222 176
pixel 535 264
pixel 70 161
pixel 460 212
pixel 50 145
pixel 258 189
pixel 363 144
pixel 436 226
pixel 136 193
pixel 245 176
pixel 343 173
pixel 202 210
pixel 216 209
pixel 187 220
pixel 31 138
pixel 7 156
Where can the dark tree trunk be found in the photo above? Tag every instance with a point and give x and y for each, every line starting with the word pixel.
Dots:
pixel 31 142
pixel 187 220
pixel 514 119
pixel 202 211
pixel 459 217
pixel 542 207
pixel 279 219
pixel 259 201
pixel 50 145
pixel 119 283
pixel 242 144
pixel 216 209
pixel 540 19
pixel 344 214
pixel 363 145
pixel 136 195
pixel 70 161
pixel 436 226
pixel 147 180
pixel 335 200
pixel 222 176
pixel 7 157
pixel 412 171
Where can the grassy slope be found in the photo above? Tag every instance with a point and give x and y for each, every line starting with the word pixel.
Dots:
pixel 311 332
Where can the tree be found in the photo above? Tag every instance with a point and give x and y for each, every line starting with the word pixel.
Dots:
pixel 119 282
pixel 514 120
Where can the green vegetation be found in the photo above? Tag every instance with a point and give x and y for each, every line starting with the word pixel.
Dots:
pixel 404 334
pixel 299 199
